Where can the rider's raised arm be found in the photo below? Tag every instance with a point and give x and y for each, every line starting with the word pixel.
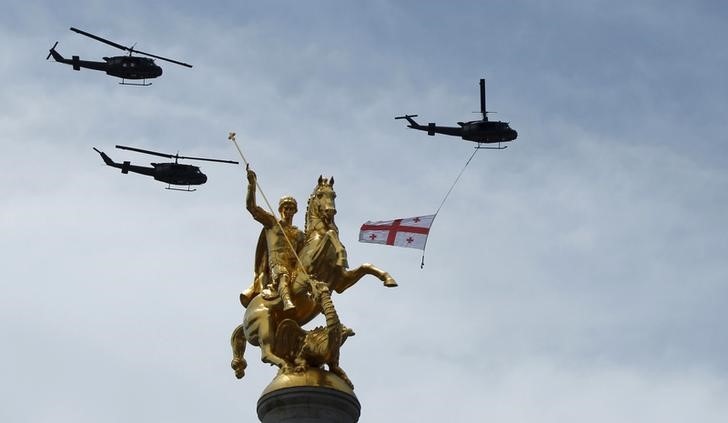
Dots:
pixel 266 219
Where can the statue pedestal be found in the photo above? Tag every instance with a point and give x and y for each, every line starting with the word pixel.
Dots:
pixel 315 396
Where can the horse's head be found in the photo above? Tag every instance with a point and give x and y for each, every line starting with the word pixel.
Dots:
pixel 324 199
pixel 322 204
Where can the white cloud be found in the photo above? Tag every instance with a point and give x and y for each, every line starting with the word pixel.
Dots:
pixel 578 274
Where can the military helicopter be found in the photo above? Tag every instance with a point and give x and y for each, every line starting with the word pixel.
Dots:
pixel 124 67
pixel 481 131
pixel 171 173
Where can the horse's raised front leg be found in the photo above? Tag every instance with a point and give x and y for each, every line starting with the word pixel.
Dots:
pixel 350 277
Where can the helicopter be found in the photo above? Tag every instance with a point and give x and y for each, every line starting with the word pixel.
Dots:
pixel 171 173
pixel 481 131
pixel 124 67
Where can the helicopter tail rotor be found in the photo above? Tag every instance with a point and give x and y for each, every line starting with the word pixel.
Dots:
pixel 412 123
pixel 106 158
pixel 52 50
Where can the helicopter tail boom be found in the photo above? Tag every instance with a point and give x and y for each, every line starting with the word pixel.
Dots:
pixel 126 166
pixel 75 61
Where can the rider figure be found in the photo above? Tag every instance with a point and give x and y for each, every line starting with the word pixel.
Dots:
pixel 277 237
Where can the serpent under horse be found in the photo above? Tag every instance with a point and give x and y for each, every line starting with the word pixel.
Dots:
pixel 324 259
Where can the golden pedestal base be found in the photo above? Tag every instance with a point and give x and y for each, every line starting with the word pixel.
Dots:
pixel 314 396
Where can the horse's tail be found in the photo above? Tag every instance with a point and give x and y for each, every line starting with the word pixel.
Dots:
pixel 238 341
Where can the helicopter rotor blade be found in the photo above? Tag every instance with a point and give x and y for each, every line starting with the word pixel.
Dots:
pixel 209 160
pixel 173 156
pixel 139 150
pixel 125 48
pixel 103 40
pixel 162 58
pixel 482 99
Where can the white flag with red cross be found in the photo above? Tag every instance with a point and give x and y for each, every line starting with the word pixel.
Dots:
pixel 410 232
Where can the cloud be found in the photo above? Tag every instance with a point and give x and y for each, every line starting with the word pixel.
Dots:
pixel 577 274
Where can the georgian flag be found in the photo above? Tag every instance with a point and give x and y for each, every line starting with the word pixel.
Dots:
pixel 410 232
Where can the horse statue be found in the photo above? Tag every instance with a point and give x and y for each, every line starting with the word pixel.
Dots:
pixel 322 260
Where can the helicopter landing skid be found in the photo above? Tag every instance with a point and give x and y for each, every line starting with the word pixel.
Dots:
pixel 479 147
pixel 136 84
pixel 169 187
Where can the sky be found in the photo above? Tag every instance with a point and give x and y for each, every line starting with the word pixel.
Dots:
pixel 578 275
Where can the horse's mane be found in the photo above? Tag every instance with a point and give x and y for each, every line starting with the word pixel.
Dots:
pixel 308 212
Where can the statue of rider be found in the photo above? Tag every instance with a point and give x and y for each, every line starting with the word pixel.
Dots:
pixel 275 261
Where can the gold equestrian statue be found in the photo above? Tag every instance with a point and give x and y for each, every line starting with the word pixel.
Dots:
pixel 294 274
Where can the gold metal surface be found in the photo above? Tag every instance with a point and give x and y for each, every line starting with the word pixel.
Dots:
pixel 310 377
pixel 295 273
pixel 275 255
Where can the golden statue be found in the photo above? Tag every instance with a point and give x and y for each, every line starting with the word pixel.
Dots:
pixel 275 255
pixel 301 269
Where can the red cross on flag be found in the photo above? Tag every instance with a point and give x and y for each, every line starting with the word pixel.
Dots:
pixel 410 232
